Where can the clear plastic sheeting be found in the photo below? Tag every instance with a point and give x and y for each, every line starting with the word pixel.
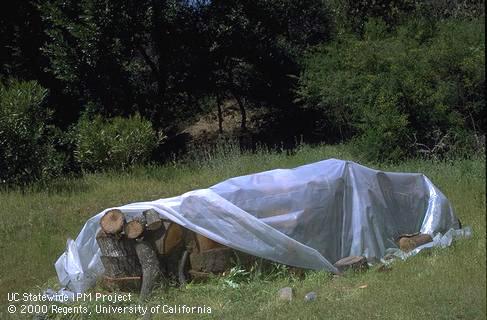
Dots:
pixel 307 217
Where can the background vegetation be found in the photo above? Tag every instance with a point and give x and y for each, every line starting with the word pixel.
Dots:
pixel 399 79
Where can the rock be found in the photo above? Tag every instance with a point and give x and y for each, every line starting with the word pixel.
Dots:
pixel 356 263
pixel 286 294
pixel 310 296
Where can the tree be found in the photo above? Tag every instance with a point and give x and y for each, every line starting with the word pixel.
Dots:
pixel 255 48
pixel 118 57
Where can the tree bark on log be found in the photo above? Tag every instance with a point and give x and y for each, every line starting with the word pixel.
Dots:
pixel 153 220
pixel 117 267
pixel 112 221
pixel 118 255
pixel 156 239
pixel 214 260
pixel 114 246
pixel 182 268
pixel 151 271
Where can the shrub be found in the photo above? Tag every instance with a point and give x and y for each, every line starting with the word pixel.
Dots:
pixel 116 143
pixel 27 150
pixel 397 91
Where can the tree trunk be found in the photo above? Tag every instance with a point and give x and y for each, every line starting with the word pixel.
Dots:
pixel 220 114
pixel 243 112
pixel 158 34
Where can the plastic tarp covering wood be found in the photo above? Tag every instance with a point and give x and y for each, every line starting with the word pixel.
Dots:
pixel 308 217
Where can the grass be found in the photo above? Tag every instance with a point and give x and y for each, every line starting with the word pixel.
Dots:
pixel 440 284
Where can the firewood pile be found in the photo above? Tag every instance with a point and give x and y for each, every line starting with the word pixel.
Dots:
pixel 142 251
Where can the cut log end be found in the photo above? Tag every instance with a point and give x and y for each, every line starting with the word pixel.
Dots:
pixel 153 220
pixel 113 221
pixel 134 229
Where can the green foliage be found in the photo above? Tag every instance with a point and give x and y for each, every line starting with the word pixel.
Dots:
pixel 116 143
pixel 26 141
pixel 353 15
pixel 402 92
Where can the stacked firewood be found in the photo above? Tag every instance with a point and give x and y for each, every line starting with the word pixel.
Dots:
pixel 144 250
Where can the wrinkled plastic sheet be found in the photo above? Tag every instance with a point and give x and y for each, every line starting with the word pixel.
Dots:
pixel 307 217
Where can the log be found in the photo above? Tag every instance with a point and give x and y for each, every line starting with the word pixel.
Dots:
pixel 182 268
pixel 114 246
pixel 173 238
pixel 135 228
pixel 124 284
pixel 214 260
pixel 118 255
pixel 156 239
pixel 409 242
pixel 112 221
pixel 205 243
pixel 151 270
pixel 356 263
pixel 120 267
pixel 153 220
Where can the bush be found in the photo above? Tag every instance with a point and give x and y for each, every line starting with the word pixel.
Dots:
pixel 116 143
pixel 398 92
pixel 27 150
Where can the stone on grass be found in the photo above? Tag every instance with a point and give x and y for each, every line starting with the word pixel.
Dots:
pixel 356 263
pixel 286 294
pixel 310 296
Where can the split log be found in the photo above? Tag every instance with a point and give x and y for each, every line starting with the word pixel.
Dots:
pixel 179 243
pixel 135 228
pixel 205 243
pixel 151 271
pixel 214 260
pixel 409 242
pixel 153 220
pixel 118 255
pixel 173 238
pixel 112 221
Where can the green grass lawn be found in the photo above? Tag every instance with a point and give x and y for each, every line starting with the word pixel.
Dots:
pixel 440 284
